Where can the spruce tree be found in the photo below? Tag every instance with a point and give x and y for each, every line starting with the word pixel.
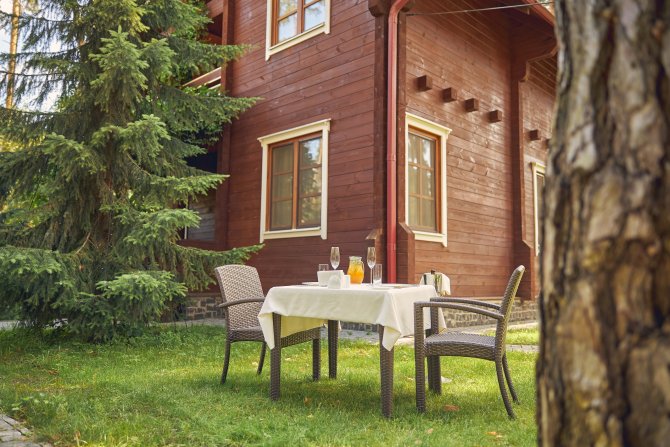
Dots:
pixel 92 198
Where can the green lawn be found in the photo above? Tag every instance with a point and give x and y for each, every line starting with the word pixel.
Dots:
pixel 163 390
pixel 526 336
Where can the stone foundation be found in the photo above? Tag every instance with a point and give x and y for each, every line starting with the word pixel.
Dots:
pixel 525 312
pixel 203 305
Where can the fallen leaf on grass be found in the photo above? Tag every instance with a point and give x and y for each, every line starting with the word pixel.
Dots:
pixel 450 408
pixel 429 431
pixel 307 401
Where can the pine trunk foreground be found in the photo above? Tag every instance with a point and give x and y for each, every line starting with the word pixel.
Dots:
pixel 604 367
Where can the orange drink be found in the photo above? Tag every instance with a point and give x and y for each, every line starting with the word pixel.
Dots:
pixel 355 270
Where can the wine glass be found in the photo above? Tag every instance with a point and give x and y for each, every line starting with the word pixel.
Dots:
pixel 372 260
pixel 335 257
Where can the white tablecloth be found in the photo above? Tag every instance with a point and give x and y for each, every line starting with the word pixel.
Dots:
pixel 306 307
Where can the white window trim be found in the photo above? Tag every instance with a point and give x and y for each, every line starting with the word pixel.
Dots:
pixel 322 126
pixel 443 133
pixel 298 38
pixel 538 169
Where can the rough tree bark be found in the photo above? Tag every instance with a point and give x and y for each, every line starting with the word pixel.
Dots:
pixel 604 367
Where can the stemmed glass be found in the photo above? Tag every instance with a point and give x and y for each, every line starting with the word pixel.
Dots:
pixel 372 260
pixel 335 257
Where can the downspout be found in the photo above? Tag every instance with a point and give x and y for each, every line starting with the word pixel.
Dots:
pixel 391 140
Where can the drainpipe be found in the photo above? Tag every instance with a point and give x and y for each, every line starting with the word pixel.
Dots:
pixel 392 139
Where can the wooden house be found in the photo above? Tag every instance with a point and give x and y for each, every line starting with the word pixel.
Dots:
pixel 418 127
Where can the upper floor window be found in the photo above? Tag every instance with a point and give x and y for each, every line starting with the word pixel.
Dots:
pixel 293 21
pixel 538 201
pixel 294 184
pixel 425 179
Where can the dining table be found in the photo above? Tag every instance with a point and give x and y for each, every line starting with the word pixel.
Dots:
pixel 291 309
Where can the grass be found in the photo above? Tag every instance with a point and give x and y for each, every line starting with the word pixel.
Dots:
pixel 526 336
pixel 163 390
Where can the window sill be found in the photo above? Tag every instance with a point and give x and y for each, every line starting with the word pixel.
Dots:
pixel 302 232
pixel 323 28
pixel 430 237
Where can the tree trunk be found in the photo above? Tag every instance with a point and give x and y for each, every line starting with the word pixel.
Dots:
pixel 13 49
pixel 604 368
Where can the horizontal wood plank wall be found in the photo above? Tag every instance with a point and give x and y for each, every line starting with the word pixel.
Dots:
pixel 470 53
pixel 539 93
pixel 328 76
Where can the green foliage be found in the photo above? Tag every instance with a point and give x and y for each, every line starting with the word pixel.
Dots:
pixel 92 193
pixel 126 304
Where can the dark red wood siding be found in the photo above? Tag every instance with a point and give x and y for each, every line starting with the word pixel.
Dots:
pixel 328 76
pixel 472 53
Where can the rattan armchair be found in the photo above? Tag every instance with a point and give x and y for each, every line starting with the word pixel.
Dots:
pixel 436 344
pixel 242 300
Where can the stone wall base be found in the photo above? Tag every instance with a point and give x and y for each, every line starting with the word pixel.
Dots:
pixel 525 312
pixel 203 305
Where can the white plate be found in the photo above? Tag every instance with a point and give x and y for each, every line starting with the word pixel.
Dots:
pixel 382 287
pixel 311 283
pixel 397 286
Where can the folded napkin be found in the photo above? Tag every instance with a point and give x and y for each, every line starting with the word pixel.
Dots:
pixel 325 276
pixel 439 280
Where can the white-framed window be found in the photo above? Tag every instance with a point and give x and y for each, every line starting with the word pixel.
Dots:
pixel 538 200
pixel 290 22
pixel 426 178
pixel 294 194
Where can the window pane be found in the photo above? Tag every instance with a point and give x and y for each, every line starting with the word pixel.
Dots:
pixel 428 152
pixel 540 198
pixel 286 6
pixel 314 15
pixel 427 183
pixel 281 215
pixel 309 211
pixel 287 27
pixel 310 181
pixel 413 180
pixel 413 152
pixel 428 214
pixel 282 159
pixel 413 211
pixel 310 152
pixel 282 186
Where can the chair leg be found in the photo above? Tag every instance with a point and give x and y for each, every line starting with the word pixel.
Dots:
pixel 316 359
pixel 434 374
pixel 262 359
pixel 226 360
pixel 509 379
pixel 420 380
pixel 503 388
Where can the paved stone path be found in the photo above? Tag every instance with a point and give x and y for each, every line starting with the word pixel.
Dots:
pixel 13 434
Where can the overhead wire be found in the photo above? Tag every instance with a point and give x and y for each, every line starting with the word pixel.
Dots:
pixel 493 8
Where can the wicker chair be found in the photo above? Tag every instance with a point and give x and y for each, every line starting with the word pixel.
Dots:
pixel 437 344
pixel 242 300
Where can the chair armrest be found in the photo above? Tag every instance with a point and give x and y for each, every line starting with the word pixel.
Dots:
pixel 466 301
pixel 244 301
pixel 419 305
